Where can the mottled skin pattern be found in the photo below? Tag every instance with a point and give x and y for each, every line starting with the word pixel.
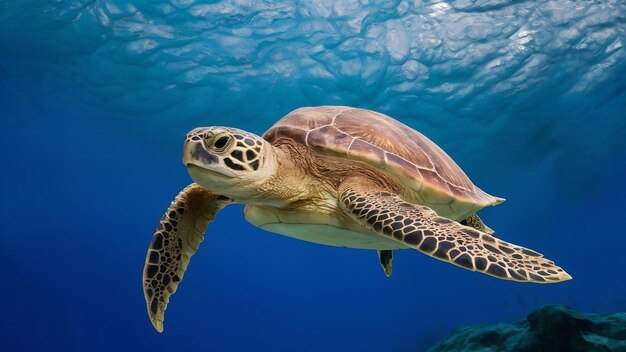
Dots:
pixel 337 176
pixel 419 227
pixel 175 240
pixel 243 155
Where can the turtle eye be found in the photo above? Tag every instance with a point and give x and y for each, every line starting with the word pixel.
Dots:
pixel 221 143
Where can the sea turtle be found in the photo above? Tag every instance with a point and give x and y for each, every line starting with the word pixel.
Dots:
pixel 338 176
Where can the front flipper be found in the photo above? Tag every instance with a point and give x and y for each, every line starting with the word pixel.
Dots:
pixel 175 240
pixel 421 228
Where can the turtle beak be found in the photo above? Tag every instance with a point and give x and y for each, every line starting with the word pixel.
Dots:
pixel 196 155
pixel 195 152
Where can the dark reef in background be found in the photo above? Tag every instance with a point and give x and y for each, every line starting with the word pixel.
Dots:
pixel 549 329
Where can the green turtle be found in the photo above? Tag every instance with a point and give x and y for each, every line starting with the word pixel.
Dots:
pixel 338 176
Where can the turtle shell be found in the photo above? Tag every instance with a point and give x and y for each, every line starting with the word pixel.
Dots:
pixel 386 144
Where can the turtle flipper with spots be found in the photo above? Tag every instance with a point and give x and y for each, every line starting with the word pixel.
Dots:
pixel 337 176
pixel 421 228
pixel 175 240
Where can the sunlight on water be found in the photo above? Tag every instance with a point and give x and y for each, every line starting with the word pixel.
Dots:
pixel 529 98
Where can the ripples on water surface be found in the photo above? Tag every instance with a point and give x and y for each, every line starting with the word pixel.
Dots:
pixel 96 97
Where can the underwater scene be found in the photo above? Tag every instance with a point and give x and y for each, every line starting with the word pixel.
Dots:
pixel 332 121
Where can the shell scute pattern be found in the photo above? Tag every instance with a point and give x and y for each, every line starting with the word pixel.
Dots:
pixel 319 138
pixel 384 143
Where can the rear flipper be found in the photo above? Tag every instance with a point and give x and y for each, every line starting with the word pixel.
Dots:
pixel 421 228
pixel 385 257
pixel 475 222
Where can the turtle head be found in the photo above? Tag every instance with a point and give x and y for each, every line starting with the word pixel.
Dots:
pixel 228 161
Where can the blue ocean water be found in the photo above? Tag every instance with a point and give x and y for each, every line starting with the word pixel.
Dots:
pixel 96 96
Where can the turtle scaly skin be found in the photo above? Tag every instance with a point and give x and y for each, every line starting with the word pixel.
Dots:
pixel 338 176
pixel 175 240
pixel 444 239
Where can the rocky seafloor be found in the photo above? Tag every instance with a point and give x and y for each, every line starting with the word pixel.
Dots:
pixel 551 328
